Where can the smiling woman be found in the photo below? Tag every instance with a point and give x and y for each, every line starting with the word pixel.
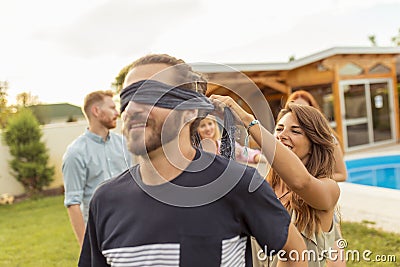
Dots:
pixel 302 172
pixel 305 98
pixel 289 132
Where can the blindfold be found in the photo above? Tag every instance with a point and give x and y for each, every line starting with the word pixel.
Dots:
pixel 155 93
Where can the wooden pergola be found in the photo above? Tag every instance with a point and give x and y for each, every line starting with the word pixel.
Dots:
pixel 321 73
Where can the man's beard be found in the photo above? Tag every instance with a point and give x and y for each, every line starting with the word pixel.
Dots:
pixel 161 133
pixel 109 124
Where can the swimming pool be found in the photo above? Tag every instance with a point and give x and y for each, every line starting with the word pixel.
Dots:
pixel 382 171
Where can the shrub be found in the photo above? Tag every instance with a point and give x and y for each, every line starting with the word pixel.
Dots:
pixel 30 156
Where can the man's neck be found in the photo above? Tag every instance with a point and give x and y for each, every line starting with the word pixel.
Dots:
pixel 100 130
pixel 165 163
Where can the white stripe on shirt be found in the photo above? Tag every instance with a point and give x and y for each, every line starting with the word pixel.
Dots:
pixel 233 251
pixel 146 255
pixel 167 255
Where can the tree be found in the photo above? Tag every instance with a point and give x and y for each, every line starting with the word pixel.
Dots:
pixel 30 156
pixel 4 110
pixel 372 39
pixel 396 39
pixel 72 118
pixel 25 99
pixel 119 80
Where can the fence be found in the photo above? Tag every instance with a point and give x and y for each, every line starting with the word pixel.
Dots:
pixel 56 137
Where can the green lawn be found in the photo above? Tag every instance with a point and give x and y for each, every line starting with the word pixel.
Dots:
pixel 381 244
pixel 37 233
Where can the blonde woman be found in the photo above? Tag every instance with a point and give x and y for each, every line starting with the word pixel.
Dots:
pixel 300 152
pixel 210 135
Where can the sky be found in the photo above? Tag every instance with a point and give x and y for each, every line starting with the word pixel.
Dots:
pixel 60 51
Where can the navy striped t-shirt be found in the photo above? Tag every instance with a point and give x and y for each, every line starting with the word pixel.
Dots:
pixel 203 217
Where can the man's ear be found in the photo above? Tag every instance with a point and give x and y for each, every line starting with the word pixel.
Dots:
pixel 95 110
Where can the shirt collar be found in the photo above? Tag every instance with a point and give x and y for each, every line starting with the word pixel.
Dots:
pixel 97 138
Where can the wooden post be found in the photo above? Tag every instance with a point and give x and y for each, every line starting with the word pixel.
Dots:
pixel 395 100
pixel 336 104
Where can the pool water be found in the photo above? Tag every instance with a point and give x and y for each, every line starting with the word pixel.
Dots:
pixel 383 171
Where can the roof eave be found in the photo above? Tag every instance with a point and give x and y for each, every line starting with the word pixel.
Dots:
pixel 245 67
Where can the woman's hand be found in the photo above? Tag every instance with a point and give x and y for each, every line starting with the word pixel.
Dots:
pixel 226 101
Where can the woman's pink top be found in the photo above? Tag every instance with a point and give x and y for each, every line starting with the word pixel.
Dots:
pixel 240 155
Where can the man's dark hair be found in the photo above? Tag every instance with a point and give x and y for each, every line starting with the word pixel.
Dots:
pixel 186 76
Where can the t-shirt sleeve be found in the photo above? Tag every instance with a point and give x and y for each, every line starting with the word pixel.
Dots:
pixel 91 255
pixel 74 175
pixel 264 215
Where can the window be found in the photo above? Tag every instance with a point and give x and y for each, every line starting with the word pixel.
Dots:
pixel 379 68
pixel 324 96
pixel 351 69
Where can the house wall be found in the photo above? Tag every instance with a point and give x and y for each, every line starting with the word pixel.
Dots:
pixel 56 137
pixel 310 75
pixel 326 71
pixel 8 184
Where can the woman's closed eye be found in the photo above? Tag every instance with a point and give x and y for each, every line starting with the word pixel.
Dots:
pixel 293 130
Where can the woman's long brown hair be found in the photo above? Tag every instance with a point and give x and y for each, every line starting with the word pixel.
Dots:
pixel 319 165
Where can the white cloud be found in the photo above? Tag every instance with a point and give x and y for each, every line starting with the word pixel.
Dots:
pixel 61 51
pixel 118 27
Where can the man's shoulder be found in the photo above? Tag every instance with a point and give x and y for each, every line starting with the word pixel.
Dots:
pixel 249 177
pixel 116 183
pixel 219 161
pixel 223 167
pixel 77 145
pixel 234 164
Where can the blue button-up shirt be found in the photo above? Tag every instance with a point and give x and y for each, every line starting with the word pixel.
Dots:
pixel 88 161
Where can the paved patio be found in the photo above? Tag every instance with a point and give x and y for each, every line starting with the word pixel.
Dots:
pixel 376 206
